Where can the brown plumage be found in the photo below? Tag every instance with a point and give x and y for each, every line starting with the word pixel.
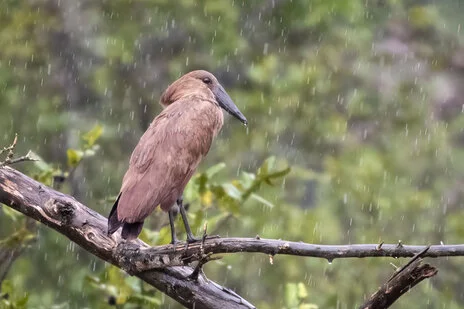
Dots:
pixel 170 150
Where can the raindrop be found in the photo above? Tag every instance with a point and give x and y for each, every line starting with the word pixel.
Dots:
pixel 330 261
pixel 266 48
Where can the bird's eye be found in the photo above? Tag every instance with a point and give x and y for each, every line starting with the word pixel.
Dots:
pixel 207 80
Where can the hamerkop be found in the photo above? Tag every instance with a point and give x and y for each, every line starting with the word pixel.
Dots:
pixel 169 152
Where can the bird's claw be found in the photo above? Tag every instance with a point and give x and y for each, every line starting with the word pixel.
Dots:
pixel 192 239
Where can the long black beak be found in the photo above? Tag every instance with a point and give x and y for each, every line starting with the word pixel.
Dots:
pixel 226 103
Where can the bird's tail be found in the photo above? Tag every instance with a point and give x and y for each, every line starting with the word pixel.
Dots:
pixel 113 221
pixel 129 230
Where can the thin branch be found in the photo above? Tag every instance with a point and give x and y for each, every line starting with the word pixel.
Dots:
pixel 9 160
pixel 400 282
pixel 150 257
pixel 10 148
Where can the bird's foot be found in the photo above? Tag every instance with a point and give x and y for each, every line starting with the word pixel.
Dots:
pixel 192 239
pixel 175 241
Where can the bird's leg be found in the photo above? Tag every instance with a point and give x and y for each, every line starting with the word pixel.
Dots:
pixel 174 239
pixel 190 237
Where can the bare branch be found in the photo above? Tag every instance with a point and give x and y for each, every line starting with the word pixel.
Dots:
pixel 9 156
pixel 150 257
pixel 10 148
pixel 11 161
pixel 400 282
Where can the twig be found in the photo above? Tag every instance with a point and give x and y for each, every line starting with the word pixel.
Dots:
pixel 400 282
pixel 10 148
pixel 204 258
pixel 9 157
pixel 414 258
pixel 27 157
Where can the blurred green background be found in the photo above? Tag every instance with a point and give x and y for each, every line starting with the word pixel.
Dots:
pixel 362 99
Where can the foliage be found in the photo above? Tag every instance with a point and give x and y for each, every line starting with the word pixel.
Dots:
pixel 9 298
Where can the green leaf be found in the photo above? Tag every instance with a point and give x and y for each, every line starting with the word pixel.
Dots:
pixel 291 292
pixel 247 179
pixel 267 165
pixel 231 191
pixel 202 181
pixel 302 291
pixel 74 157
pixel 93 135
pixel 261 200
pixel 22 302
pixel 279 174
pixel 213 170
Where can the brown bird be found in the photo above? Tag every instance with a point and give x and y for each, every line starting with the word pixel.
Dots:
pixel 169 152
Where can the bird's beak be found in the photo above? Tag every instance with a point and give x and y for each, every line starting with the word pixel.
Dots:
pixel 226 103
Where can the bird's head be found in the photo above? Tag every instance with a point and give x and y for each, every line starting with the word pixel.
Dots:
pixel 205 84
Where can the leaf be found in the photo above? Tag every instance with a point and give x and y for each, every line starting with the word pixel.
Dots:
pixel 232 191
pixel 12 214
pixel 279 174
pixel 261 200
pixel 213 170
pixel 74 157
pixel 267 165
pixel 207 198
pixel 93 135
pixel 22 302
pixel 291 299
pixel 202 181
pixel 248 179
pixel 302 291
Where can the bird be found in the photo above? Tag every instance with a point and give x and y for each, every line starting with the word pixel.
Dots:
pixel 169 152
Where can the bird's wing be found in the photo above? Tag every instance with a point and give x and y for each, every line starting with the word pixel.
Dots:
pixel 166 158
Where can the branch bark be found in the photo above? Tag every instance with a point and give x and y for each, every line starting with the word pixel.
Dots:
pixel 164 266
pixel 400 282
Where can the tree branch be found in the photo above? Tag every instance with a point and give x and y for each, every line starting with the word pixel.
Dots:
pixel 400 282
pixel 148 258
pixel 164 266
pixel 9 160
pixel 88 229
